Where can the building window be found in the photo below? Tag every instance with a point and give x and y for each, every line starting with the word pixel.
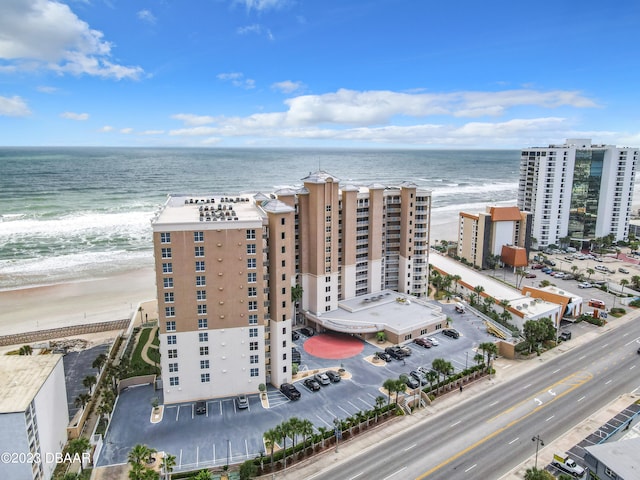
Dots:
pixel 203 337
pixel 167 282
pixel 327 289
pixel 253 319
pixel 172 353
pixel 327 299
pixel 201 281
pixel 168 297
pixel 167 267
pixel 173 367
pixel 202 309
pixel 205 378
pixel 204 364
pixel 255 372
pixel 252 277
pixel 282 235
pixel 166 253
pixel 252 292
pixel 200 266
pixel 253 346
pixel 172 340
pixel 169 311
pixel 202 323
pixel 251 263
pixel 251 248
pixel 165 237
pixel 282 221
pixel 283 263
pixel 204 350
pixel 253 359
pixel 201 295
pixel 284 344
pixel 253 332
pixel 253 305
pixel 171 326
pixel 282 250
pixel 199 251
pixel 198 236
pixel 174 381
pixel 284 304
pixel 251 234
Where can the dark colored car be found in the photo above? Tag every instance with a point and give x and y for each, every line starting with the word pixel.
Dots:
pixel 334 376
pixel 384 356
pixel 201 408
pixel 530 275
pixel 289 391
pixel 307 331
pixel 565 335
pixel 410 381
pixel 295 355
pixel 295 335
pixel 451 332
pixel 423 342
pixel 395 352
pixel 311 384
pixel 538 266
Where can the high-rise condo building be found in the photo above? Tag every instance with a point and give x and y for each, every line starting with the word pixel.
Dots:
pixel 577 191
pixel 226 267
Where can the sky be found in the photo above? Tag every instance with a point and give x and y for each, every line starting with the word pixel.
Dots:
pixel 318 73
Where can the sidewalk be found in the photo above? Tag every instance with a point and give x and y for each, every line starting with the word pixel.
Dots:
pixel 505 371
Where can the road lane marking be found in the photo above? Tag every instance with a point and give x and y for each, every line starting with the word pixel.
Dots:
pixel 410 447
pixel 549 418
pixel 526 386
pixel 514 440
pixel 395 473
pixel 581 398
pixel 356 476
pixel 454 424
pixel 552 393
pixel 471 468
pixel 538 401
pixel 556 371
pixel 582 357
pixel 632 367
pixel 605 345
pixel 494 403
pixel 607 382
pixel 509 425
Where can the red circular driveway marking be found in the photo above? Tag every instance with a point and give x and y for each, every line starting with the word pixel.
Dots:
pixel 333 346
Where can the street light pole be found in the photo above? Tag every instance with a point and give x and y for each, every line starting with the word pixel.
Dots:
pixel 539 443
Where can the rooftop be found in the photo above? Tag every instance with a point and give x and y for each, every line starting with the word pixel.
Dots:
pixel 621 456
pixel 22 377
pixel 203 209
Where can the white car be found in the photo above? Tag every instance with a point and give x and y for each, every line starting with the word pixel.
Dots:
pixel 584 285
pixel 433 341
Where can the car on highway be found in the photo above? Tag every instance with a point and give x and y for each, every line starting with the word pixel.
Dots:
pixel 423 342
pixel 290 391
pixel 384 356
pixel 334 376
pixel 451 332
pixel 311 384
pixel 201 408
pixel 322 378
pixel 242 402
pixel 434 341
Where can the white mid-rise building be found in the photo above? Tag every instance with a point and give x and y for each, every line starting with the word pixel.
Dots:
pixel 33 415
pixel 577 191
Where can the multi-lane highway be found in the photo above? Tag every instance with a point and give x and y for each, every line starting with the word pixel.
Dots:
pixel 491 433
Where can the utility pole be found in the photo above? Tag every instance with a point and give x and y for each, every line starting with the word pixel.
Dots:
pixel 539 443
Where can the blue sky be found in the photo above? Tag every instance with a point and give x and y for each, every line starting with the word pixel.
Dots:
pixel 318 73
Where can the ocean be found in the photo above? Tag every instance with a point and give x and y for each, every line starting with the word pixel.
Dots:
pixel 70 214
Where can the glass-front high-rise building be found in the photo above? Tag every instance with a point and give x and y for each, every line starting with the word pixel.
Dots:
pixel 577 191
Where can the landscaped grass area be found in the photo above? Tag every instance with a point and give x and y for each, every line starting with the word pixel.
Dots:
pixel 137 366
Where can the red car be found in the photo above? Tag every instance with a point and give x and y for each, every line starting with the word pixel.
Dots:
pixel 423 342
pixel 538 266
pixel 530 275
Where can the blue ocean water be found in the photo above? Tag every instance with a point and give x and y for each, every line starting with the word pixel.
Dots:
pixel 74 213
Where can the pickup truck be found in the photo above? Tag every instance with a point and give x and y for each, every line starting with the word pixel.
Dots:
pixel 563 462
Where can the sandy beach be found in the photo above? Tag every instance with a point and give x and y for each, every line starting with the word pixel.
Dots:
pixel 76 303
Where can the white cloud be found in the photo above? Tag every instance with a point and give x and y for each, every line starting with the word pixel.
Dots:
pixel 106 129
pixel 193 120
pixel 46 89
pixel 47 34
pixel 75 116
pixel 255 28
pixel 13 107
pixel 288 86
pixel 126 131
pixel 261 5
pixel 147 16
pixel 152 132
pixel 237 80
pixel 211 141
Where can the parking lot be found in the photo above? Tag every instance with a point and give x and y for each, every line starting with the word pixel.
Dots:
pixel 226 434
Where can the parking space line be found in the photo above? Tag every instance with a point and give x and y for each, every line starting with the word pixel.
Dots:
pixel 220 408
pixel 323 421
pixel 246 447
pixel 348 414
pixel 197 455
pixel 177 412
pixel 354 406
pixel 214 452
pixel 180 459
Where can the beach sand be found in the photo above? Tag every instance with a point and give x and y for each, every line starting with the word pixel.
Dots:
pixel 76 303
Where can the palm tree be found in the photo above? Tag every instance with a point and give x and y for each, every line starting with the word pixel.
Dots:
pixel 624 282
pixel 140 454
pixel 294 424
pixel 306 430
pixel 168 462
pixel 478 358
pixel 77 447
pixel 456 279
pixel 389 386
pixel 379 404
pixel 490 349
pixel 271 438
pixel 89 381
pixel 202 475
pixel 535 474
pixel 590 271
pixel 99 361
pixel 635 281
pixel 323 431
pixel 82 400
pixel 400 386
pixel 478 289
pixel 25 350
pixel 431 377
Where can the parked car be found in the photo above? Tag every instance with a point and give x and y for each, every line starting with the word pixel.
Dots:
pixel 538 266
pixel 418 376
pixel 406 350
pixel 410 381
pixel 335 376
pixel 584 285
pixel 559 275
pixel 295 355
pixel 568 276
pixel 451 332
pixel 322 378
pixel 295 335
pixel 546 270
pixel 601 268
pixel 201 408
pixel 623 270
pixel 395 352
pixel 596 303
pixel 551 263
pixel 565 335
pixel 434 341
pixel 307 331
pixel 423 342
pixel 384 356
pixel 530 275
pixel 311 384
pixel 242 402
pixel 289 391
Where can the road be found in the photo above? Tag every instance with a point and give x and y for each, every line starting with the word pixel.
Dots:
pixel 491 433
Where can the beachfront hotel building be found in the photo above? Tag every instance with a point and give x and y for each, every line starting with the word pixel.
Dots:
pixel 226 267
pixel 577 191
pixel 499 231
pixel 33 415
